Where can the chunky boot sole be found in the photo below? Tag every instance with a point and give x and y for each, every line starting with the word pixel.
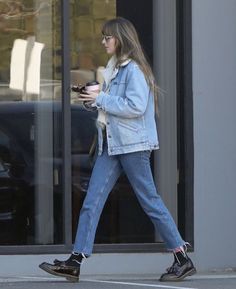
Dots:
pixel 72 279
pixel 70 273
pixel 172 278
pixel 189 273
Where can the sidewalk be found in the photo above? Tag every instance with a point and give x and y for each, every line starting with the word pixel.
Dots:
pixel 219 280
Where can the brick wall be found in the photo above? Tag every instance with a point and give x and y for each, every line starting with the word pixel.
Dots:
pixel 87 19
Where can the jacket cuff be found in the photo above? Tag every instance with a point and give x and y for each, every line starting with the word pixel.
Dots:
pixel 88 105
pixel 100 100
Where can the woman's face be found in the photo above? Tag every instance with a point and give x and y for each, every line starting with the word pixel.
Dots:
pixel 109 43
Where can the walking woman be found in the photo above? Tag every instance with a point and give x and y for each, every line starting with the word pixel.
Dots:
pixel 126 136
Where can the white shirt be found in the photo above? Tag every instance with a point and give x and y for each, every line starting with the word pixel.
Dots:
pixel 109 73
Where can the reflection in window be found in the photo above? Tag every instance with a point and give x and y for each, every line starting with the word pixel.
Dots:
pixel 15 209
pixel 30 50
pixel 30 115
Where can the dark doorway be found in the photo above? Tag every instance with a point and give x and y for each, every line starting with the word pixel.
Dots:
pixel 140 14
pixel 185 119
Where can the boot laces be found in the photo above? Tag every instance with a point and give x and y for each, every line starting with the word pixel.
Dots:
pixel 174 268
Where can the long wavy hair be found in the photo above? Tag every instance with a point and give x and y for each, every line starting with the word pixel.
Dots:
pixel 128 46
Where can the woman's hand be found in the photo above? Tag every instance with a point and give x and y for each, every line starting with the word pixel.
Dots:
pixel 88 95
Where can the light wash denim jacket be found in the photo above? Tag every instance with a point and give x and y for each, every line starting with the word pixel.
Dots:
pixel 130 113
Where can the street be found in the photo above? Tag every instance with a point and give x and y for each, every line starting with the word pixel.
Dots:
pixel 199 281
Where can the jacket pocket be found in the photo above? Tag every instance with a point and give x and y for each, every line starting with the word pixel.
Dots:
pixel 129 133
pixel 118 88
pixel 128 126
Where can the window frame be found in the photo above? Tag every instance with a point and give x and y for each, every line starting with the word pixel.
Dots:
pixel 185 120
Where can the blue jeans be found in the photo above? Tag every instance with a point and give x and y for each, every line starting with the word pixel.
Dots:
pixel 105 173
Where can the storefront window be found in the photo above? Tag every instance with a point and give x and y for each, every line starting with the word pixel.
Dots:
pixel 31 130
pixel 30 123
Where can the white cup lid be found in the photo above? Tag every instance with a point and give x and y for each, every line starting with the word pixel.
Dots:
pixel 92 87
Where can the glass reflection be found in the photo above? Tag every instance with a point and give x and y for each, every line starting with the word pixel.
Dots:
pixel 30 123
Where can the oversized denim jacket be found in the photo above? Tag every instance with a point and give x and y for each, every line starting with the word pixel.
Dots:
pixel 130 113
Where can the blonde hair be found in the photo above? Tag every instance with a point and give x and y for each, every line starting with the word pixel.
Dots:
pixel 128 46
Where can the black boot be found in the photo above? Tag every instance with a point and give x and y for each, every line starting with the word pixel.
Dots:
pixel 70 269
pixel 181 268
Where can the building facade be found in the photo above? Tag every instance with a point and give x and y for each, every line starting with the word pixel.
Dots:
pixel 47 138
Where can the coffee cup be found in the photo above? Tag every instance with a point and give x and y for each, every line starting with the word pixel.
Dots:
pixel 92 86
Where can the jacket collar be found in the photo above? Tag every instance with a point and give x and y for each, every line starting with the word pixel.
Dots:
pixel 111 70
pixel 124 63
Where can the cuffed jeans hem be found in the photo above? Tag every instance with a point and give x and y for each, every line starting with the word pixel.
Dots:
pixel 184 244
pixel 80 252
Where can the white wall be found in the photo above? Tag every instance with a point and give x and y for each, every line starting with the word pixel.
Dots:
pixel 214 96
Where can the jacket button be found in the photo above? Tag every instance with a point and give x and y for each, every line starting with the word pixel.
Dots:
pixel 108 123
pixel 109 136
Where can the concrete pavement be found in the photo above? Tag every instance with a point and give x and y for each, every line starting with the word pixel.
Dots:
pixel 219 280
